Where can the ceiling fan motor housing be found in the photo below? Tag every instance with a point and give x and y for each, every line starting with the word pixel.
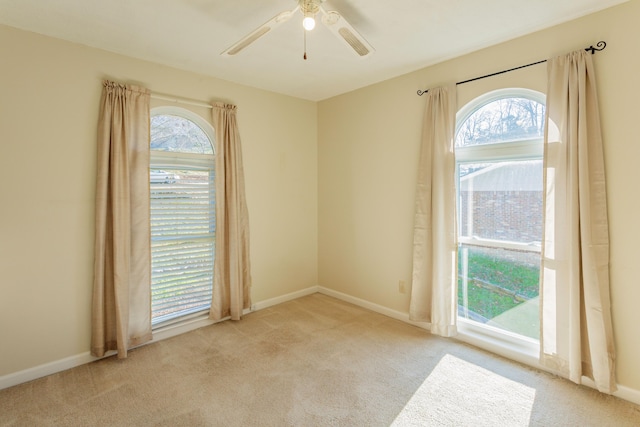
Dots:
pixel 310 7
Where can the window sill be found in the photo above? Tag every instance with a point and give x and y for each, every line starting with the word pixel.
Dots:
pixel 509 345
pixel 172 329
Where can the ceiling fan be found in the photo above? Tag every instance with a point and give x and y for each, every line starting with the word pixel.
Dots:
pixel 333 20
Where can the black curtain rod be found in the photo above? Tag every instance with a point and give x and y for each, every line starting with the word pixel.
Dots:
pixel 599 46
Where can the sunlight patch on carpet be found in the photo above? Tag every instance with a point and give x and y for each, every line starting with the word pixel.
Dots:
pixel 460 393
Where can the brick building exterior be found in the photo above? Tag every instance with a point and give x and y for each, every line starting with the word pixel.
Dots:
pixel 503 201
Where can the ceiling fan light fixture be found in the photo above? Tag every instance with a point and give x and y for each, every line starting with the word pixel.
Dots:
pixel 309 22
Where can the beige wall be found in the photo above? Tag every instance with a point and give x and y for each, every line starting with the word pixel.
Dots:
pixel 368 146
pixel 49 96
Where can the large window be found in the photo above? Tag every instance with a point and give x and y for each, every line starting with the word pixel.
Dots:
pixel 498 147
pixel 182 214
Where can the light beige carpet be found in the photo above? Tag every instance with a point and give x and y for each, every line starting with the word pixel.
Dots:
pixel 315 361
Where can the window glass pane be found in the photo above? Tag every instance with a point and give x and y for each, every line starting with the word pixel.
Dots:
pixel 499 287
pixel 182 273
pixel 182 241
pixel 181 204
pixel 178 134
pixel 503 120
pixel 501 201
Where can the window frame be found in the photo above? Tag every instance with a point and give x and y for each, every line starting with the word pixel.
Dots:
pixel 518 347
pixel 160 159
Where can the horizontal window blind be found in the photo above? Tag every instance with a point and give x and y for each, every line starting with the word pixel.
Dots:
pixel 182 240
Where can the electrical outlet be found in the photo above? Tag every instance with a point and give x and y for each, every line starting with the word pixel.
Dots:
pixel 402 287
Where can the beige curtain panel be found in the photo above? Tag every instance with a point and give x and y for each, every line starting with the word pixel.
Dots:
pixel 232 272
pixel 576 331
pixel 121 312
pixel 433 286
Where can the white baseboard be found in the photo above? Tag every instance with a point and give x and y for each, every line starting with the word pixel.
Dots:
pixel 60 365
pixel 43 370
pixel 284 298
pixel 627 393
pixel 373 307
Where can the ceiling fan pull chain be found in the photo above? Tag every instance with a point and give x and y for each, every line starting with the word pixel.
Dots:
pixel 305 44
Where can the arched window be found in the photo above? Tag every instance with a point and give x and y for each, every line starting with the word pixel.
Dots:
pixel 182 184
pixel 498 148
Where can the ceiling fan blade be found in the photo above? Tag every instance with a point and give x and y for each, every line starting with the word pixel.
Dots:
pixel 259 32
pixel 345 32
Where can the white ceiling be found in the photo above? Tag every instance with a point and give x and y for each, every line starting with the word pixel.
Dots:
pixel 191 34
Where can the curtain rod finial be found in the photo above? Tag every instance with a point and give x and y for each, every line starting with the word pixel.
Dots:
pixel 599 46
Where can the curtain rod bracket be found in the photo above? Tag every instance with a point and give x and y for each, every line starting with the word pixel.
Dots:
pixel 599 46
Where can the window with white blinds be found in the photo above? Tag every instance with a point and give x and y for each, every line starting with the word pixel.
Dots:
pixel 182 189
